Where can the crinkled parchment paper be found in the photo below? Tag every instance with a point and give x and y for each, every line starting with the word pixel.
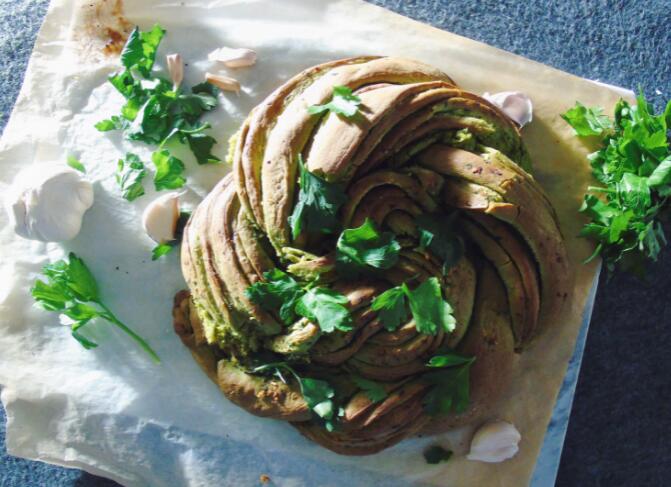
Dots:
pixel 112 411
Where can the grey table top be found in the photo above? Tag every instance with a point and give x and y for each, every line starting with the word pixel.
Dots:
pixel 618 433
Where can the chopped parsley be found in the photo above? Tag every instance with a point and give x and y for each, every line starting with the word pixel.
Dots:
pixel 155 110
pixel 129 176
pixel 74 163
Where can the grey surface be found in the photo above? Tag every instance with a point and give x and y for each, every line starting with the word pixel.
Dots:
pixel 620 425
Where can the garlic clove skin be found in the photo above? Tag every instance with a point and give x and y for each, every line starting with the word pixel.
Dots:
pixel 225 83
pixel 47 202
pixel 175 68
pixel 494 442
pixel 515 104
pixel 160 217
pixel 232 57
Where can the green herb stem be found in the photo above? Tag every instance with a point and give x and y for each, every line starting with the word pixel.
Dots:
pixel 109 316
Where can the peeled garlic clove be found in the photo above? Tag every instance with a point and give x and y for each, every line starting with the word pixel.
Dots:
pixel 175 68
pixel 233 58
pixel 224 82
pixel 515 104
pixel 160 217
pixel 494 442
pixel 47 202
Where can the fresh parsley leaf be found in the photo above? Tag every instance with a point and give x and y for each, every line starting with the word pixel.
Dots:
pixel 129 176
pixel 140 49
pixel 201 146
pixel 52 297
pixel 317 205
pixel 587 121
pixel 318 394
pixel 326 307
pixel 278 291
pixel 162 249
pixel 450 359
pixel 450 389
pixel 169 171
pixel 634 167
pixel 113 123
pixel 359 249
pixel 661 175
pixel 166 247
pixel 391 307
pixel 71 289
pixel 344 103
pixel 374 390
pixel 437 234
pixel 281 292
pixel 436 454
pixel 74 163
pixel 429 310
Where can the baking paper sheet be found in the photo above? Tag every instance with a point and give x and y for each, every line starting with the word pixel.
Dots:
pixel 113 412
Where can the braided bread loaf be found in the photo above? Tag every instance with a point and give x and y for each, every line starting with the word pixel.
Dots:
pixel 418 145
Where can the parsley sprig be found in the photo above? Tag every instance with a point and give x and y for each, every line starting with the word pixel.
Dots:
pixel 343 102
pixel 427 306
pixel 282 294
pixel 365 248
pixel 71 290
pixel 634 168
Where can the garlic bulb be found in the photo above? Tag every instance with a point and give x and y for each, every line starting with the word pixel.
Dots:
pixel 160 217
pixel 233 58
pixel 515 104
pixel 494 442
pixel 47 202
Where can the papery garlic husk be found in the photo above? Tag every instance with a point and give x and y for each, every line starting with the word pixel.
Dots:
pixel 47 202
pixel 160 217
pixel 515 104
pixel 494 442
pixel 175 68
pixel 225 83
pixel 233 57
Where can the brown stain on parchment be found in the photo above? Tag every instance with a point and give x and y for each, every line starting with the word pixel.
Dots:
pixel 102 28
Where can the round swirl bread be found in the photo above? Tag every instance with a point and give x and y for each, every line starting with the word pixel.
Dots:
pixel 418 145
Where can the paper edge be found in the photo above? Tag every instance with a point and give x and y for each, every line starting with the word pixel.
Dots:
pixel 582 334
pixel 547 462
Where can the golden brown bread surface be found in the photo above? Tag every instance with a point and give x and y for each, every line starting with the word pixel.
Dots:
pixel 418 145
